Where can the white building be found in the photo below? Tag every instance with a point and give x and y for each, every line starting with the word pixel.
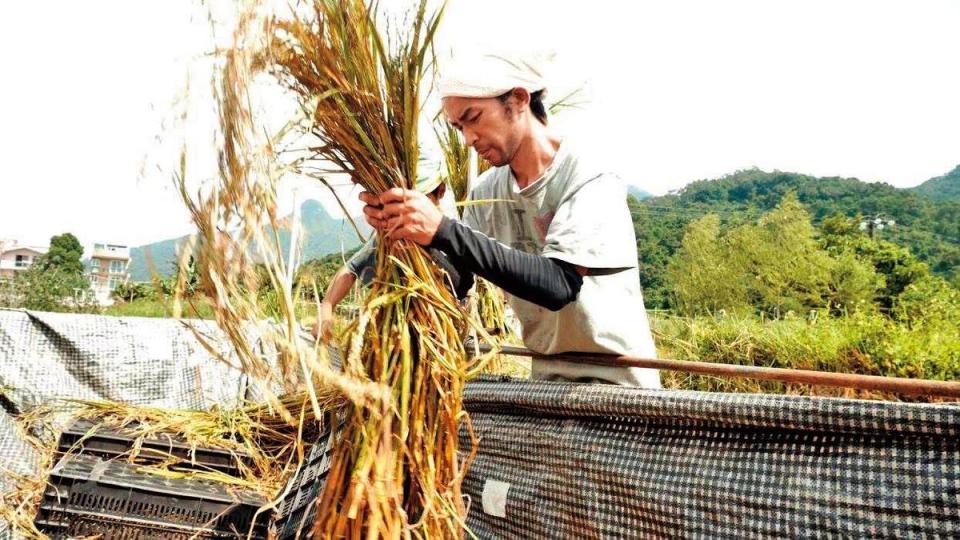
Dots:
pixel 107 268
pixel 16 257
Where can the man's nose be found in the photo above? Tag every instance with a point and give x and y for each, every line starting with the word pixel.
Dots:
pixel 470 137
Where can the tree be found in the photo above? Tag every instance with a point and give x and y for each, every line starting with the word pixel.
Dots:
pixel 896 267
pixel 775 265
pixel 705 278
pixel 790 272
pixel 55 282
pixel 853 284
pixel 64 255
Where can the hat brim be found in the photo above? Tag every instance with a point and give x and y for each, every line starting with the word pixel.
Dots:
pixel 428 186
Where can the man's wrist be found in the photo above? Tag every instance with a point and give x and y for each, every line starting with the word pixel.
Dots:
pixel 441 238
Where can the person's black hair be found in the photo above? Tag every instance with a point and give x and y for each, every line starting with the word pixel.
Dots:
pixel 436 191
pixel 536 104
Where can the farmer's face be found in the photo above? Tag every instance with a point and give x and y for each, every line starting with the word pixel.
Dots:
pixel 490 126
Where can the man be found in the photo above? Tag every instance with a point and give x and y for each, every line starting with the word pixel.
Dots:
pixel 562 245
pixel 362 265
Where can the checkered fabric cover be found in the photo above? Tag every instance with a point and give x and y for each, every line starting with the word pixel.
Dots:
pixel 600 461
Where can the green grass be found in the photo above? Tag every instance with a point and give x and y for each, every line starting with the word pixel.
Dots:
pixel 864 344
pixel 200 308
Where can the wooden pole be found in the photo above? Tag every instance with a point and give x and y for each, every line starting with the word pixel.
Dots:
pixel 798 376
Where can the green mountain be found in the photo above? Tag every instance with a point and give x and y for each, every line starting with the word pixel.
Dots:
pixel 929 228
pixel 322 235
pixel 942 188
pixel 158 257
pixel 638 193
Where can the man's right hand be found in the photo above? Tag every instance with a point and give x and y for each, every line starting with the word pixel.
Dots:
pixel 372 210
pixel 403 214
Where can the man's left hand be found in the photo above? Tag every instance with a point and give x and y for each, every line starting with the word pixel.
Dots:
pixel 404 214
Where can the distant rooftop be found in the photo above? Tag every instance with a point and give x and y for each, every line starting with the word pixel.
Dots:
pixel 110 251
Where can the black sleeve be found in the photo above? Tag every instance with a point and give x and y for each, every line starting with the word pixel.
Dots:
pixel 544 281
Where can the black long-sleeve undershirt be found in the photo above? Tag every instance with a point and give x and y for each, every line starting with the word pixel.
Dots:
pixel 547 282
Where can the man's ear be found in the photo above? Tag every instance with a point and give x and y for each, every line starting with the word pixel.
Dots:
pixel 522 98
pixel 517 101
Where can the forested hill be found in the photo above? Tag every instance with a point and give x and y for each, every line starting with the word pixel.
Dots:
pixel 942 188
pixel 928 226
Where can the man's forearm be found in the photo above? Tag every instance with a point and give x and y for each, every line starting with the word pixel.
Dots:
pixel 546 282
pixel 339 286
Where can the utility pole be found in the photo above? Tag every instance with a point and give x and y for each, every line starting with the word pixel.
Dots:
pixel 874 224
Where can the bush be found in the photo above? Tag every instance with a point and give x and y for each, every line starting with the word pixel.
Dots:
pixel 198 307
pixel 48 290
pixel 129 292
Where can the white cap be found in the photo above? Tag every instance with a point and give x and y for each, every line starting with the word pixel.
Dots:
pixel 492 74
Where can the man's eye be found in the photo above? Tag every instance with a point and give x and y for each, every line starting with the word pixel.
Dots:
pixel 476 117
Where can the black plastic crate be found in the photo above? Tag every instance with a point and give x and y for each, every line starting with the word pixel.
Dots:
pixel 298 509
pixel 86 437
pixel 87 495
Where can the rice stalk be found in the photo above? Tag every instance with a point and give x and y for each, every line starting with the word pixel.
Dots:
pixel 19 506
pixel 265 448
pixel 456 159
pixel 397 470
pixel 237 241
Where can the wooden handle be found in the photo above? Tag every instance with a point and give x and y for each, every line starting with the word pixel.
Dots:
pixel 897 385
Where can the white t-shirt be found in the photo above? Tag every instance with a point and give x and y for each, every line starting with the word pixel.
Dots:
pixel 576 213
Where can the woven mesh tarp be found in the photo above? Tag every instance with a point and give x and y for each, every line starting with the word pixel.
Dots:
pixel 597 461
pixel 137 360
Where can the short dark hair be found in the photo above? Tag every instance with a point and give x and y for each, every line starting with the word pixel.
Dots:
pixel 436 191
pixel 536 104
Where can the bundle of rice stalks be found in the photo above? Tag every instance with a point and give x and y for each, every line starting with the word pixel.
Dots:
pixel 397 471
pixel 237 249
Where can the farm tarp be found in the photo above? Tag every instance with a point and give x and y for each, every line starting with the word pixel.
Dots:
pixel 566 460
pixel 597 461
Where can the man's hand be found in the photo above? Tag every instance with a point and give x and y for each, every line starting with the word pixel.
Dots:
pixel 403 214
pixel 324 326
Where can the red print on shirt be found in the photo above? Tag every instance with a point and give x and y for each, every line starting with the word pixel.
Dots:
pixel 542 223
